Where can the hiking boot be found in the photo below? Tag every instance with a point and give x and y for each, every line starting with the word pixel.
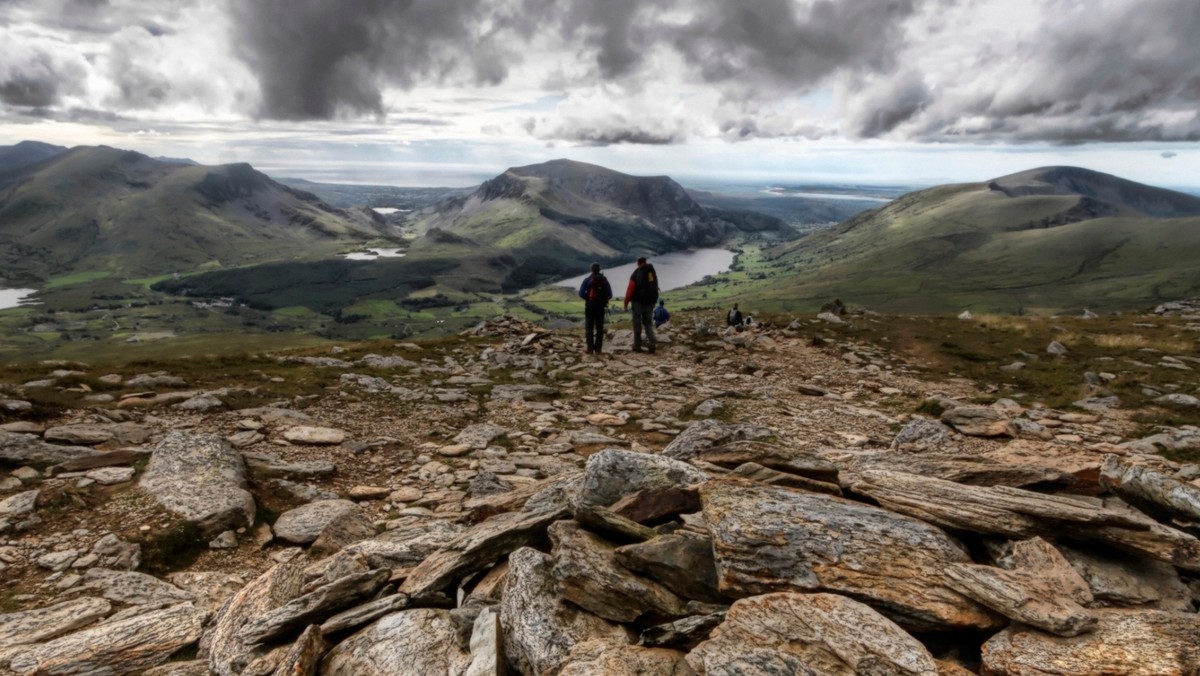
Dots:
pixel 650 349
pixel 637 348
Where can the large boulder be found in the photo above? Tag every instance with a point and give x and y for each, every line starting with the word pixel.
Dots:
pixel 201 479
pixel 539 628
pixel 769 539
pixel 709 433
pixel 420 641
pixel 1152 491
pixel 1018 514
pixel 614 473
pixel 826 634
pixel 122 646
pixel 305 523
pixel 43 624
pixel 227 654
pixel 979 421
pixel 588 575
pixel 1128 642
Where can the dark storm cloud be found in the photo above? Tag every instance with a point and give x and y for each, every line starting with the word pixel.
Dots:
pixel 314 63
pixel 96 17
pixel 314 60
pixel 36 79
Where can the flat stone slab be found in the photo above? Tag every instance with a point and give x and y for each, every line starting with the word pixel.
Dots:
pixel 202 479
pixel 304 524
pixel 43 624
pixel 25 449
pixel 315 436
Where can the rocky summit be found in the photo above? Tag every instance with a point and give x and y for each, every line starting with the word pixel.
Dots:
pixel 785 499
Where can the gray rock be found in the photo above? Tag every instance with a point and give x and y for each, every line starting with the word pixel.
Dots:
pixel 1178 399
pixel 92 434
pixel 209 589
pixel 58 561
pixel 108 476
pixel 540 628
pixel 132 588
pixel 790 633
pixel 43 624
pixel 1122 580
pixel 121 646
pixel 299 492
pixel 1039 588
pixel 201 402
pixel 979 421
pixel 477 548
pixel 680 562
pixel 314 436
pixel 1019 514
pixel 1123 642
pixel 304 524
pixel 25 449
pixel 1152 491
pixel 227 655
pixel 708 408
pixel 408 546
pixel 614 473
pixel 705 434
pixel 365 613
pixel 1056 349
pixel 487 646
pixel 479 436
pixel 19 505
pixel 922 432
pixel 422 641
pixel 587 574
pixel 226 540
pixel 772 539
pixel 114 553
pixel 155 380
pixel 606 658
pixel 201 479
pixel 312 607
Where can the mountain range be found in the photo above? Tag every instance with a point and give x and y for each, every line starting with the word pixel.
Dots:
pixel 1047 239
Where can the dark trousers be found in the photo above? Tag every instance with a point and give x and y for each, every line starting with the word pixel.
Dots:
pixel 593 327
pixel 643 317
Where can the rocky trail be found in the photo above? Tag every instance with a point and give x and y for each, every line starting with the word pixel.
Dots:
pixel 753 502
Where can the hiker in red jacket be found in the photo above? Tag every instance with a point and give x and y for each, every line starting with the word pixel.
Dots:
pixel 642 293
pixel 595 292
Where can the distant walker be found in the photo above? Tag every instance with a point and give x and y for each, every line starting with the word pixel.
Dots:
pixel 595 292
pixel 642 293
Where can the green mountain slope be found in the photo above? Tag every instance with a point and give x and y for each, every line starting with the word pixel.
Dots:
pixel 106 210
pixel 556 217
pixel 1048 239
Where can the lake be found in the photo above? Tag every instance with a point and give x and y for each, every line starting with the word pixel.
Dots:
pixel 377 254
pixel 14 297
pixel 675 270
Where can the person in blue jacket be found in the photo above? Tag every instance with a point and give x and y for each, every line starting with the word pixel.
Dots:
pixel 595 292
pixel 661 315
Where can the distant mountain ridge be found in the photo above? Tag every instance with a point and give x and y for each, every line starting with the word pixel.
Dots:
pixel 557 216
pixel 100 209
pixel 27 152
pixel 1047 239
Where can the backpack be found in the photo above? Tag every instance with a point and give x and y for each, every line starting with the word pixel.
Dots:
pixel 645 281
pixel 596 290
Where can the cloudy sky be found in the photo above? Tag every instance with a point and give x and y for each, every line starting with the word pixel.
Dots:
pixel 448 92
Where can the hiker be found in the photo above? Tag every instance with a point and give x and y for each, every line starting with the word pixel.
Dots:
pixel 595 292
pixel 734 318
pixel 642 293
pixel 661 314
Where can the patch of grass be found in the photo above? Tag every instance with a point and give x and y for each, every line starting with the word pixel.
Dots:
pixel 77 278
pixel 931 408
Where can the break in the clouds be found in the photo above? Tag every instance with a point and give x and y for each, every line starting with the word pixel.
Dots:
pixel 620 71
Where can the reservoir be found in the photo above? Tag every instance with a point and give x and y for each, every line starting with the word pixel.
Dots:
pixel 374 255
pixel 675 270
pixel 14 297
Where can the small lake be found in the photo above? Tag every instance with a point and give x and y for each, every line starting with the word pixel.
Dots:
pixel 675 270
pixel 374 255
pixel 15 297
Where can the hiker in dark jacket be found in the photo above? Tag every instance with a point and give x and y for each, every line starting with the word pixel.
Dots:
pixel 734 318
pixel 595 292
pixel 642 293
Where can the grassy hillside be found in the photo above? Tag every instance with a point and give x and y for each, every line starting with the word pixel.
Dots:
pixel 1018 244
pixel 102 209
